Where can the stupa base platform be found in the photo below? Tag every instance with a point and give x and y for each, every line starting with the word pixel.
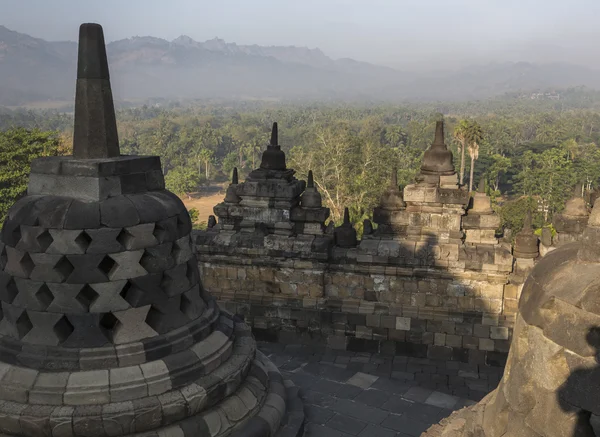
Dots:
pixel 243 396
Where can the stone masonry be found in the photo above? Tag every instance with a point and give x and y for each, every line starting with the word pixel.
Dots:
pixel 551 383
pixel 105 327
pixel 431 280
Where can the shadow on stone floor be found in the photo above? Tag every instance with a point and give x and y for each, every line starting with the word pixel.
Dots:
pixel 360 394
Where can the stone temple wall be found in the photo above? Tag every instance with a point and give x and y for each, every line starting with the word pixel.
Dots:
pixel 431 280
pixel 373 303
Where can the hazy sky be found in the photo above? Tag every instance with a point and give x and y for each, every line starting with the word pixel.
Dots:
pixel 398 33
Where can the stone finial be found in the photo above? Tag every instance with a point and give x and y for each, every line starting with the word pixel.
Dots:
pixel 274 135
pixel 310 182
pixel 273 158
pixel 392 198
pixel 231 194
pixel 367 227
pixel 527 223
pixel 394 178
pixel 234 176
pixel 438 159
pixel 481 186
pixel 311 198
pixel 345 235
pixel 212 221
pixel 482 203
pixel 330 228
pixel 576 206
pixel 95 129
pixel 526 243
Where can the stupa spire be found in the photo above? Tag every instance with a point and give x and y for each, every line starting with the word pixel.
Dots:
pixel 481 187
pixel 95 130
pixel 273 158
pixel 310 183
pixel 234 177
pixel 394 178
pixel 439 133
pixel 274 135
pixel 438 159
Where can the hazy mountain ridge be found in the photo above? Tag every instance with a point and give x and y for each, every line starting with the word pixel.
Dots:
pixel 32 69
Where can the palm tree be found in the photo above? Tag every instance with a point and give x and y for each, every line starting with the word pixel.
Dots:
pixel 460 135
pixel 474 138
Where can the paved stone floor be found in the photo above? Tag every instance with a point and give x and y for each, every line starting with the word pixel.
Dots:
pixel 369 395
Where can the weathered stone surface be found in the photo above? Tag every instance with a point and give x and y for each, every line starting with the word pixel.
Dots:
pixel 105 328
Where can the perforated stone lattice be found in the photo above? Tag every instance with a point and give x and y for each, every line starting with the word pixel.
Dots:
pixel 96 280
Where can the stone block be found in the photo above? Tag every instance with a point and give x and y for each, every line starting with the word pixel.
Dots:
pixel 403 323
pixel 16 384
pixel 118 418
pixel 127 383
pixel 83 188
pixel 157 377
pixel 61 421
pixel 150 209
pixel 499 333
pixel 87 388
pixel 118 212
pixel 48 388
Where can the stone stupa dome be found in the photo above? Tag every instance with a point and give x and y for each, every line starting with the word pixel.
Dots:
pixel 105 327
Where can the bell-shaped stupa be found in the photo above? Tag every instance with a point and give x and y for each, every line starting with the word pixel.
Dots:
pixel 105 328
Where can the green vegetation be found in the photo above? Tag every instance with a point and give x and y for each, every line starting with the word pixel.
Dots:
pixel 18 147
pixel 531 153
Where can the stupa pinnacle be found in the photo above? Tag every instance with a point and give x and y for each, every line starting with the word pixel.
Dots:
pixel 95 134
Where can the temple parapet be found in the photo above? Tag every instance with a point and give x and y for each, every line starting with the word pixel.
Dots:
pixel 411 285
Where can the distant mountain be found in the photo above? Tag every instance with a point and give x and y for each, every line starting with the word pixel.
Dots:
pixel 34 70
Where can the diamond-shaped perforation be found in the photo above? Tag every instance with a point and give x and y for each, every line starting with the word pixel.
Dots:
pixel 155 318
pixel 131 294
pixel 125 239
pixel 64 268
pixel 108 324
pixel 63 329
pixel 44 240
pixel 160 233
pixel 23 325
pixel 27 264
pixel 176 252
pixel 126 291
pixel 16 235
pixel 191 272
pixel 187 307
pixel 106 265
pixel 86 297
pixel 10 291
pixel 147 260
pixel 3 258
pixel 83 241
pixel 183 223
pixel 44 297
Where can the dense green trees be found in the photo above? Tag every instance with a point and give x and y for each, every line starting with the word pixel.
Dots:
pixel 18 147
pixel 531 153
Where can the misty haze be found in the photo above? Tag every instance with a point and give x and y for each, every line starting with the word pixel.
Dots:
pixel 329 50
pixel 312 218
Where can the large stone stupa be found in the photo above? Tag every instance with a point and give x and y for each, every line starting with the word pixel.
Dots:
pixel 105 328
pixel 551 383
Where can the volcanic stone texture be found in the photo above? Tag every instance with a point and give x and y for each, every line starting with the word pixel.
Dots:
pixel 551 384
pixel 105 328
